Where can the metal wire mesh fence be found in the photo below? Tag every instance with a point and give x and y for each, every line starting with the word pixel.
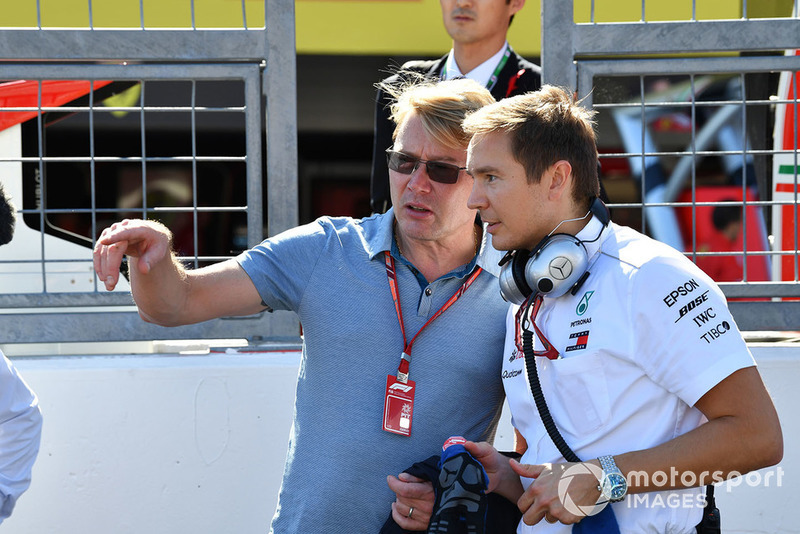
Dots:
pixel 153 116
pixel 699 140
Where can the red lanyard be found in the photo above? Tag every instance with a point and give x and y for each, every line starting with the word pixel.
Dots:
pixel 405 359
pixel 550 352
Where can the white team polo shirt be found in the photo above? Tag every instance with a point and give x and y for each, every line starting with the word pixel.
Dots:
pixel 640 342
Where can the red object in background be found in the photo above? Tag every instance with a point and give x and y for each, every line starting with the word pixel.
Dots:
pixel 727 268
pixel 673 122
pixel 341 198
pixel 784 176
pixel 789 135
pixel 25 94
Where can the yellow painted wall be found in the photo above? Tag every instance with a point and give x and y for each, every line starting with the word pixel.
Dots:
pixel 360 27
pixel 326 26
pixel 127 13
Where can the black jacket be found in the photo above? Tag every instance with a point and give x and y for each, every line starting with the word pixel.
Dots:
pixel 502 515
pixel 518 76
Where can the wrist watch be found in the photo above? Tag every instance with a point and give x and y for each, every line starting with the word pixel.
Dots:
pixel 613 485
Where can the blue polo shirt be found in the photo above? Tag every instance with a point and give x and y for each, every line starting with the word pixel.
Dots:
pixel 332 274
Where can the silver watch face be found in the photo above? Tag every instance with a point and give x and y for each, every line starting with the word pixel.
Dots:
pixel 614 486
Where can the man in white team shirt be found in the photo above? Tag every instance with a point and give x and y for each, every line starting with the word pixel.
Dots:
pixel 641 364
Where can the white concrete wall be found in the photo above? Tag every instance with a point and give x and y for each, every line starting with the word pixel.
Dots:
pixel 158 444
pixel 764 501
pixel 173 444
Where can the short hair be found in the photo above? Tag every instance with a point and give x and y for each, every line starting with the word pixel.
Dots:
pixel 441 106
pixel 545 126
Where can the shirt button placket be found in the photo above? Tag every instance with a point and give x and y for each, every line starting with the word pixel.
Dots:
pixel 425 302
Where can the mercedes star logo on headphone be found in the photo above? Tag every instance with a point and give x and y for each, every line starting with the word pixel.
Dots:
pixel 556 265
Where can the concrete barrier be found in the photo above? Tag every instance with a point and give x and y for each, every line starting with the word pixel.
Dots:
pixel 152 444
pixel 158 444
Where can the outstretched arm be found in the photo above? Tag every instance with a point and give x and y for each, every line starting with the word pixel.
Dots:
pixel 742 434
pixel 166 293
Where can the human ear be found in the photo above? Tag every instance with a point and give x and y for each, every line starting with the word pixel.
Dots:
pixel 560 174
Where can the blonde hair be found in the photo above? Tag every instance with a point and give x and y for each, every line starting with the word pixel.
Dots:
pixel 545 126
pixel 441 107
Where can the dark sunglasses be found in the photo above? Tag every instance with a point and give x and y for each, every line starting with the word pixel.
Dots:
pixel 438 171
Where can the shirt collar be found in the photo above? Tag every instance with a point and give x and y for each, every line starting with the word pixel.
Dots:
pixel 383 238
pixel 488 257
pixel 591 236
pixel 481 74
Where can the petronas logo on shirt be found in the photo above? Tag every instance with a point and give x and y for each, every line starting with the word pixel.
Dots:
pixel 583 305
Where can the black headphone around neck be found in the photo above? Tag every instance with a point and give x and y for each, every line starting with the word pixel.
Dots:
pixel 556 265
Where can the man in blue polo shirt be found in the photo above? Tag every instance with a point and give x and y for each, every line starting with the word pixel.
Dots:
pixel 419 280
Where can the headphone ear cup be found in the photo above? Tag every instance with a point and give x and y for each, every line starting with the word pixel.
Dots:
pixel 513 286
pixel 557 265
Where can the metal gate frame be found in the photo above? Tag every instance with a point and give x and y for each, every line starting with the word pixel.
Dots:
pixel 565 43
pixel 264 59
pixel 570 58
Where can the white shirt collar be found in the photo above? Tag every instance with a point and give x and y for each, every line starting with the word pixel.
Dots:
pixel 591 236
pixel 481 74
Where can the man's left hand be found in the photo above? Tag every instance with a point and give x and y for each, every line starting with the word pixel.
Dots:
pixel 414 505
pixel 541 499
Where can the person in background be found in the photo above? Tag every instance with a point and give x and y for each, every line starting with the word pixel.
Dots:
pixel 20 416
pixel 646 375
pixel 480 52
pixel 418 280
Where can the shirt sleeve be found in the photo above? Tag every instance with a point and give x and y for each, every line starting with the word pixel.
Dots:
pixel 280 267
pixel 20 436
pixel 686 340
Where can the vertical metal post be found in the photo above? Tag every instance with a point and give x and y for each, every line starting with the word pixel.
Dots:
pixel 745 147
pixel 92 171
pixel 280 88
pixel 255 209
pixel 41 204
pixel 195 222
pixel 558 48
pixel 143 138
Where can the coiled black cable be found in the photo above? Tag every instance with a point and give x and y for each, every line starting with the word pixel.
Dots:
pixel 538 397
